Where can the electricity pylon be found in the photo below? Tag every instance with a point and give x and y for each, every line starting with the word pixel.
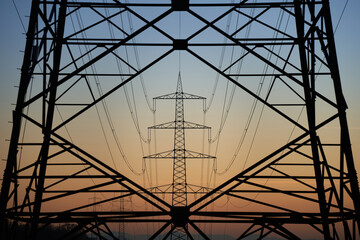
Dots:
pixel 307 185
pixel 179 155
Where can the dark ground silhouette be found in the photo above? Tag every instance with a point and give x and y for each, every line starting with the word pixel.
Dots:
pixel 53 232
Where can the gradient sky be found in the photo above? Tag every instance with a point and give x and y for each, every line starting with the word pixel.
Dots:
pixel 12 43
pixel 13 38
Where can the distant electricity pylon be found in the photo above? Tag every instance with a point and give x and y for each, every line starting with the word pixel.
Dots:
pixel 179 154
pixel 77 56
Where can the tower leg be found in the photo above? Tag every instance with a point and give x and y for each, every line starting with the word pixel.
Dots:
pixel 310 108
pixel 345 137
pixel 26 73
pixel 49 118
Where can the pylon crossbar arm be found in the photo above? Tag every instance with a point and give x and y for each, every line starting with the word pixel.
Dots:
pixel 172 125
pixel 192 154
pixel 182 96
pixel 73 62
pixel 166 154
pixel 171 154
pixel 247 232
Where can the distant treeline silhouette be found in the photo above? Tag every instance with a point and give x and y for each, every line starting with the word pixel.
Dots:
pixel 53 231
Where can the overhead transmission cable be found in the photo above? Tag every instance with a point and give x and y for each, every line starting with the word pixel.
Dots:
pixel 252 111
pixel 132 111
pixel 137 58
pixel 253 108
pixel 279 22
pixel 226 112
pixel 207 107
pixel 301 111
pixel 222 55
pixel 147 170
pixel 265 69
pixel 81 26
pixel 107 113
pixel 18 14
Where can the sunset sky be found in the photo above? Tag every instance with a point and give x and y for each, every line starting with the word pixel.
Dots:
pixel 161 79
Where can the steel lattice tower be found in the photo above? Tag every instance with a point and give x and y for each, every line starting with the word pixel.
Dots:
pixel 179 156
pixel 179 171
pixel 66 55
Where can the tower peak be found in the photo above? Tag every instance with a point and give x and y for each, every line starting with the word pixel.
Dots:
pixel 179 88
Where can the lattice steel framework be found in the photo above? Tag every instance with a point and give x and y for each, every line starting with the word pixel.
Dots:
pixel 179 156
pixel 60 57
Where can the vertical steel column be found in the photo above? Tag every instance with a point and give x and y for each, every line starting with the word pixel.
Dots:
pixel 342 106
pixel 26 74
pixel 179 197
pixel 310 109
pixel 54 76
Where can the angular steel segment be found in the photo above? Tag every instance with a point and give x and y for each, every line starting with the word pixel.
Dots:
pixel 199 230
pixel 137 189
pixel 54 76
pixel 160 230
pixel 310 109
pixel 244 46
pixel 249 91
pixel 15 134
pixel 97 58
pixel 111 91
pixel 345 137
pixel 225 187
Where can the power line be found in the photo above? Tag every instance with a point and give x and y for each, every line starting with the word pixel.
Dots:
pixel 294 127
pixel 240 63
pixel 18 14
pixel 223 120
pixel 107 113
